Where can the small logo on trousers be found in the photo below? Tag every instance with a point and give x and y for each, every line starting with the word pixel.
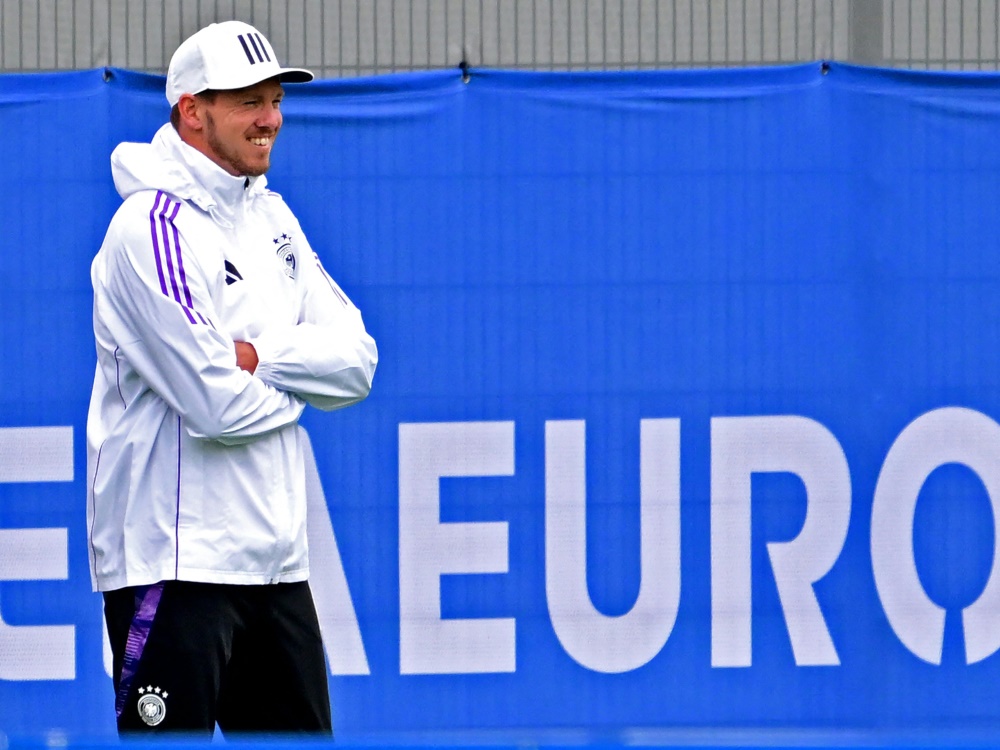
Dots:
pixel 152 707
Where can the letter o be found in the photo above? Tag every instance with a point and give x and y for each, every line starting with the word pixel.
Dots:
pixel 952 435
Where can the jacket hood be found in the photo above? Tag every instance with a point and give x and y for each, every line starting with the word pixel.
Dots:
pixel 170 165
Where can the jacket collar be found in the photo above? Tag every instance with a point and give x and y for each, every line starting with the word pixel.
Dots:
pixel 211 186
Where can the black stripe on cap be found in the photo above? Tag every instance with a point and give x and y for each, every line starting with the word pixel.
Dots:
pixel 263 47
pixel 246 49
pixel 256 49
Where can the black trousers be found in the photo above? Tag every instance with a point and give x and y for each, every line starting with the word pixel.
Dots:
pixel 190 655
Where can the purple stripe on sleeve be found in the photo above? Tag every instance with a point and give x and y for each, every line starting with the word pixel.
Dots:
pixel 180 261
pixel 147 599
pixel 170 251
pixel 156 244
pixel 169 234
pixel 330 281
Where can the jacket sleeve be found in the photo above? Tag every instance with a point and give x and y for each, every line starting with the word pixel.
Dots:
pixel 327 358
pixel 152 290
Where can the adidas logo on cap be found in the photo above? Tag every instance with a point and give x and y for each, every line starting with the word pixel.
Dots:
pixel 224 56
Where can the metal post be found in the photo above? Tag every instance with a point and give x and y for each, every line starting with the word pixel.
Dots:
pixel 865 32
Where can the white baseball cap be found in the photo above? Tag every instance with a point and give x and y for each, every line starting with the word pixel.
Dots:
pixel 222 56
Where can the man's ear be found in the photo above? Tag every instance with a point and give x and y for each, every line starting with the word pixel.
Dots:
pixel 190 110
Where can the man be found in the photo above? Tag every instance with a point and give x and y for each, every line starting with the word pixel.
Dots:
pixel 215 325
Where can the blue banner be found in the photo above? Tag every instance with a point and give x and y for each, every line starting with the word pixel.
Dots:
pixel 685 422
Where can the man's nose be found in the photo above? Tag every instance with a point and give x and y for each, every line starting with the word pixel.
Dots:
pixel 270 118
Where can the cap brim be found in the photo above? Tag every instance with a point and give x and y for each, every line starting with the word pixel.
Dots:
pixel 295 75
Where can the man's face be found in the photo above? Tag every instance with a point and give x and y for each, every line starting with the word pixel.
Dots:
pixel 241 125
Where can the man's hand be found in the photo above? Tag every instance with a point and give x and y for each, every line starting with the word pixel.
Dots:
pixel 246 356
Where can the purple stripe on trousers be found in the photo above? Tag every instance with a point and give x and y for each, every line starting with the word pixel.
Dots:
pixel 147 598
pixel 156 244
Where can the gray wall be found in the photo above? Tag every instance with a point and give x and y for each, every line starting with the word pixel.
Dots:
pixel 361 37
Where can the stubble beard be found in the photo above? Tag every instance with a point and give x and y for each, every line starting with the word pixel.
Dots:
pixel 228 155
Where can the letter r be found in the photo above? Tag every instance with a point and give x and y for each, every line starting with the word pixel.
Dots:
pixel 742 446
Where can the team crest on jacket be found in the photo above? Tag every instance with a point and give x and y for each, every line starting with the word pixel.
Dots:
pixel 285 254
pixel 152 705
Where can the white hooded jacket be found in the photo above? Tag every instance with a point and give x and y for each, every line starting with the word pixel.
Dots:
pixel 196 467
